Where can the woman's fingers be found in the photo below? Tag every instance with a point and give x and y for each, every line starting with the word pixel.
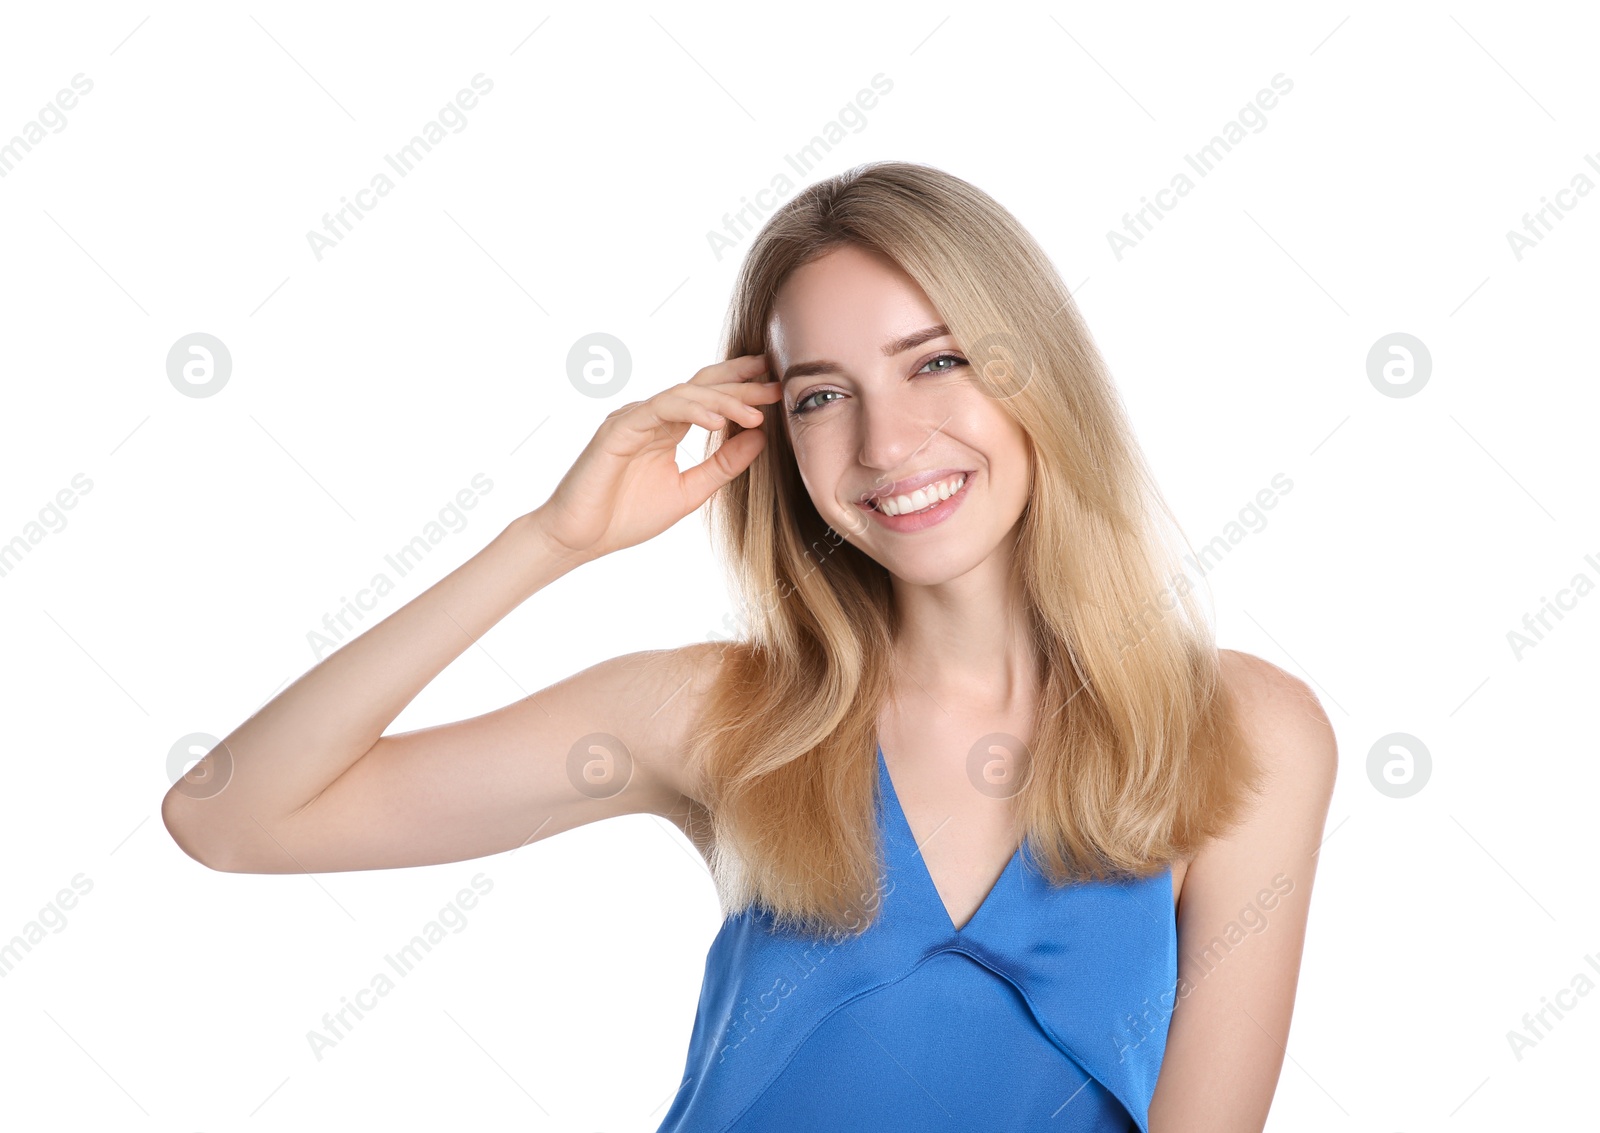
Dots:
pixel 740 369
pixel 731 458
pixel 724 402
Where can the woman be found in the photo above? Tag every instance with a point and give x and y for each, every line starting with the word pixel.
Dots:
pixel 1068 887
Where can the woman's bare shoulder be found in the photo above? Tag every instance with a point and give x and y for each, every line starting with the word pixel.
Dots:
pixel 1270 695
pixel 1285 724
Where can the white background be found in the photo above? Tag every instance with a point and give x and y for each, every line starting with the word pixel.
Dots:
pixel 430 345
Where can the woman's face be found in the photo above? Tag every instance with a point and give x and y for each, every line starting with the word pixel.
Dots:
pixel 874 408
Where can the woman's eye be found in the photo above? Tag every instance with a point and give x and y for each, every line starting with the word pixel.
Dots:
pixel 955 358
pixel 802 407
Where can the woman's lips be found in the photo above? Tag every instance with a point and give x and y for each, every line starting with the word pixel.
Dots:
pixel 928 517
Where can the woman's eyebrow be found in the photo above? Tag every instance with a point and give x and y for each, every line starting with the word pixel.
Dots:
pixel 890 349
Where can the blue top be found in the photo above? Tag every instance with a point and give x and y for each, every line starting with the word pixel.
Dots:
pixel 1047 1010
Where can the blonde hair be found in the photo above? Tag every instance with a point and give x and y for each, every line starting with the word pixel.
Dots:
pixel 1137 756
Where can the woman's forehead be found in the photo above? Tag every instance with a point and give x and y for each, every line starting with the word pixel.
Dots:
pixel 841 309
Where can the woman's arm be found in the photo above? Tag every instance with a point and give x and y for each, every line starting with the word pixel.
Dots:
pixel 1242 918
pixel 309 783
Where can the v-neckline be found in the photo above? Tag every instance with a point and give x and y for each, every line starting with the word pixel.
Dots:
pixel 892 797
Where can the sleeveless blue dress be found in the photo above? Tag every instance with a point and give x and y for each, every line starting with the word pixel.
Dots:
pixel 1047 1010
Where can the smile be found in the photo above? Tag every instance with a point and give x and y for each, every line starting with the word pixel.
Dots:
pixel 922 508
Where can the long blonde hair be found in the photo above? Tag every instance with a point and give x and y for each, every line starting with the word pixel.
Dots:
pixel 1137 756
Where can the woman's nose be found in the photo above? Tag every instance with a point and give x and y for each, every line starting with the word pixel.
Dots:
pixel 892 431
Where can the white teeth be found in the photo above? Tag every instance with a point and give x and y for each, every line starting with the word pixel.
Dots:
pixel 922 498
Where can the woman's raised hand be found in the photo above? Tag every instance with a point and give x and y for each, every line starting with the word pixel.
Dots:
pixel 625 487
